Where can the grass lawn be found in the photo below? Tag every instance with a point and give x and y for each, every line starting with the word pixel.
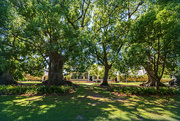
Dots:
pixel 31 82
pixel 120 83
pixel 129 83
pixel 89 103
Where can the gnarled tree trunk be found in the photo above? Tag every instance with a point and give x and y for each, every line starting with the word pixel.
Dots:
pixel 7 79
pixel 56 73
pixel 153 79
pixel 55 76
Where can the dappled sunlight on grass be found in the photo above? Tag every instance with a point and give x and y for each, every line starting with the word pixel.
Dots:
pixel 31 82
pixel 28 100
pixel 89 102
pixel 45 108
pixel 128 83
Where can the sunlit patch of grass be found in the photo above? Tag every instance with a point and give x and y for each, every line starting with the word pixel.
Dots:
pixel 82 83
pixel 27 101
pixel 45 108
pixel 128 83
pixel 120 83
pixel 31 82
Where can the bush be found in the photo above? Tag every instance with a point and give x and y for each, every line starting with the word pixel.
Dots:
pixel 146 90
pixel 8 90
pixel 166 76
pixel 142 78
pixel 32 78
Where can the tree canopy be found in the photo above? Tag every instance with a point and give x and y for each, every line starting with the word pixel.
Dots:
pixel 74 34
pixel 154 40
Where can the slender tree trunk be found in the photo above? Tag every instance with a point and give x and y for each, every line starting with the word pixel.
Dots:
pixel 105 82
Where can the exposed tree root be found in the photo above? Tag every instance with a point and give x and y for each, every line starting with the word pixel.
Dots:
pixel 104 84
pixel 149 84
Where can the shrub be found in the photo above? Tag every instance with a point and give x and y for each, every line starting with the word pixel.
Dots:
pixel 8 90
pixel 142 78
pixel 146 90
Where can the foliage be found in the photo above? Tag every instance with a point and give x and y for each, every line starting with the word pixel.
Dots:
pixel 113 73
pixel 139 78
pixel 109 31
pixel 94 71
pixel 97 70
pixel 166 76
pixel 29 77
pixel 57 33
pixel 154 41
pixel 68 76
pixel 15 57
pixel 47 33
pixel 10 89
pixel 142 78
pixel 145 90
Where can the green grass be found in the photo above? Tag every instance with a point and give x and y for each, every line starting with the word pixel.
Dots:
pixel 129 83
pixel 89 103
pixel 31 82
pixel 85 83
pixel 120 83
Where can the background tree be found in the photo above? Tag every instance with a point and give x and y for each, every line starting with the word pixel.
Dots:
pixel 16 58
pixel 155 41
pixel 110 27
pixel 113 73
pixel 94 71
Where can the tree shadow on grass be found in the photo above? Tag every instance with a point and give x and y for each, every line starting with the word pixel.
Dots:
pixel 88 103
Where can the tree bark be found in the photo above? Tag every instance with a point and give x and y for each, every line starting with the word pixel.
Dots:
pixel 105 82
pixel 55 75
pixel 153 80
pixel 7 79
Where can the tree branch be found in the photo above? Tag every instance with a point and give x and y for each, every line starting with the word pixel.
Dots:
pixel 130 14
pixel 38 48
pixel 98 57
pixel 82 24
pixel 71 22
pixel 104 26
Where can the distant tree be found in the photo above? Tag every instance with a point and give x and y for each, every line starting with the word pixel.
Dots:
pixel 94 71
pixel 113 73
pixel 110 27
